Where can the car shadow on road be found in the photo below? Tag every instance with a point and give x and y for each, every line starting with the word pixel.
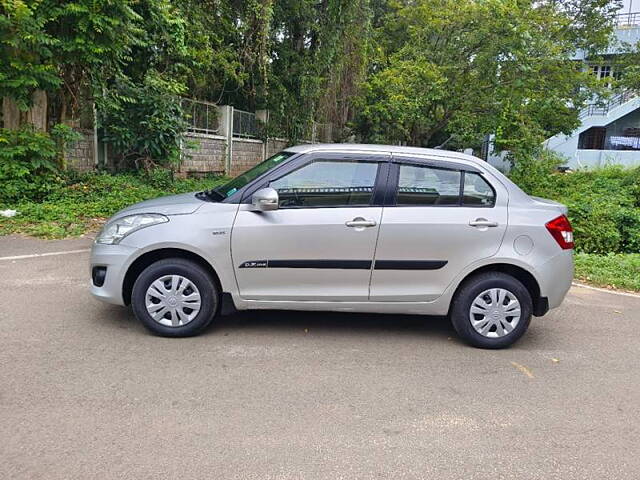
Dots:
pixel 327 322
pixel 282 321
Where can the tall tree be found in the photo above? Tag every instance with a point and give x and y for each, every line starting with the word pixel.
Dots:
pixel 454 70
pixel 61 46
pixel 310 43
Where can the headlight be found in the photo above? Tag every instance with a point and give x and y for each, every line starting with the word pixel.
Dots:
pixel 116 230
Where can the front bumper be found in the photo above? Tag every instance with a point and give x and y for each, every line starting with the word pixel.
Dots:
pixel 116 259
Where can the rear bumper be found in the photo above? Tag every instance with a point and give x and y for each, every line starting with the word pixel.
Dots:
pixel 555 277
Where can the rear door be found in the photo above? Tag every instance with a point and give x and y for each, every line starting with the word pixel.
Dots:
pixel 319 244
pixel 439 217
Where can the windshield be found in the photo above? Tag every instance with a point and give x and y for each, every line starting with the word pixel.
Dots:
pixel 240 181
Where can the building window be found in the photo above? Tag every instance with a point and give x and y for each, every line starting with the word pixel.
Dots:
pixel 603 71
pixel 592 139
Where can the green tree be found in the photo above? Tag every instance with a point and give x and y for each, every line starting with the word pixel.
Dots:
pixel 311 44
pixel 62 47
pixel 26 52
pixel 452 71
pixel 139 103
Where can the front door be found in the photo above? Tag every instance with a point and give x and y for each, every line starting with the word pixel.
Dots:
pixel 441 219
pixel 319 244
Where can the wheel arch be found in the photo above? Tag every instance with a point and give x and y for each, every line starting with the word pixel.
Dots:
pixel 540 304
pixel 148 258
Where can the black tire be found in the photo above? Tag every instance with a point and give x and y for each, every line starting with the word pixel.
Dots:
pixel 474 286
pixel 209 295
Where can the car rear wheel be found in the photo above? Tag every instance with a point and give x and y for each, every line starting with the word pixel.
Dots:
pixel 175 298
pixel 491 310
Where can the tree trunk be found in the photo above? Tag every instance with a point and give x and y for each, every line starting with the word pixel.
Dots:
pixel 37 115
pixel 10 113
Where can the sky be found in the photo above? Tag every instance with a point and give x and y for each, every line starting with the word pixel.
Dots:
pixel 635 6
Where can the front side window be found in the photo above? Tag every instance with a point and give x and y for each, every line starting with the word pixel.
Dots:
pixel 477 192
pixel 423 185
pixel 326 183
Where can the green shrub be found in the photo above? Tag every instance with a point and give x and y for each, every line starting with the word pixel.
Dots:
pixel 143 123
pixel 628 222
pixel 595 229
pixel 28 165
pixel 84 201
pixel 529 171
pixel 161 178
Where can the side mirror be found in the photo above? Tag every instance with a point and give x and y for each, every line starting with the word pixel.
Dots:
pixel 264 199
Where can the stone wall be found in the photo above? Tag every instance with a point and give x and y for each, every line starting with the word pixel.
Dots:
pixel 79 156
pixel 275 145
pixel 245 154
pixel 204 154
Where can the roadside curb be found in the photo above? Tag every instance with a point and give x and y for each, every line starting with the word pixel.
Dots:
pixel 605 290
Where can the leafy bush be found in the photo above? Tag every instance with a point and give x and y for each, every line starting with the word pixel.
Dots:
pixel 144 123
pixel 628 221
pixel 161 178
pixel 531 172
pixel 83 201
pixel 28 165
pixel 604 204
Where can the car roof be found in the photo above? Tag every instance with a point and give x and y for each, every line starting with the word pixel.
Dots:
pixel 394 149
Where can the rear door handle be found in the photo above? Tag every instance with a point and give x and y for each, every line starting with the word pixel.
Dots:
pixel 482 222
pixel 360 222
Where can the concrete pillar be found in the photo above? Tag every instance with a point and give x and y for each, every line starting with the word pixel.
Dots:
pixel 226 130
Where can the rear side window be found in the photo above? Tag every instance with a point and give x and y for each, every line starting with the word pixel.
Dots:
pixel 477 192
pixel 325 183
pixel 424 185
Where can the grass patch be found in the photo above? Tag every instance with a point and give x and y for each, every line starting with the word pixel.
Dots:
pixel 616 270
pixel 84 202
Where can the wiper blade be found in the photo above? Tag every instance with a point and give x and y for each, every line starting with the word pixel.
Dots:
pixel 210 195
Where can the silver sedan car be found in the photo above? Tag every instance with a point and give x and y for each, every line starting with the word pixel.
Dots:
pixel 350 228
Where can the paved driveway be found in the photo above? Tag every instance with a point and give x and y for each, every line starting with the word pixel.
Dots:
pixel 85 392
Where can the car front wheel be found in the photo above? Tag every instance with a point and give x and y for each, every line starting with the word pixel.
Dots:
pixel 491 310
pixel 175 298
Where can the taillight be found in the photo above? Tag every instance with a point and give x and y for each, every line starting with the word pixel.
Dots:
pixel 561 230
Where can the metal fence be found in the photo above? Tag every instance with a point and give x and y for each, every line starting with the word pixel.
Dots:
pixel 202 117
pixel 603 109
pixel 245 124
pixel 628 19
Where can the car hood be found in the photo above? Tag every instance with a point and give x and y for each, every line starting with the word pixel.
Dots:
pixel 182 204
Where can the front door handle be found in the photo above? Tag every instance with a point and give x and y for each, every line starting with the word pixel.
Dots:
pixel 360 222
pixel 482 222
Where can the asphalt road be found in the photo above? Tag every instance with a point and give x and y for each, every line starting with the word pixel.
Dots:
pixel 86 393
